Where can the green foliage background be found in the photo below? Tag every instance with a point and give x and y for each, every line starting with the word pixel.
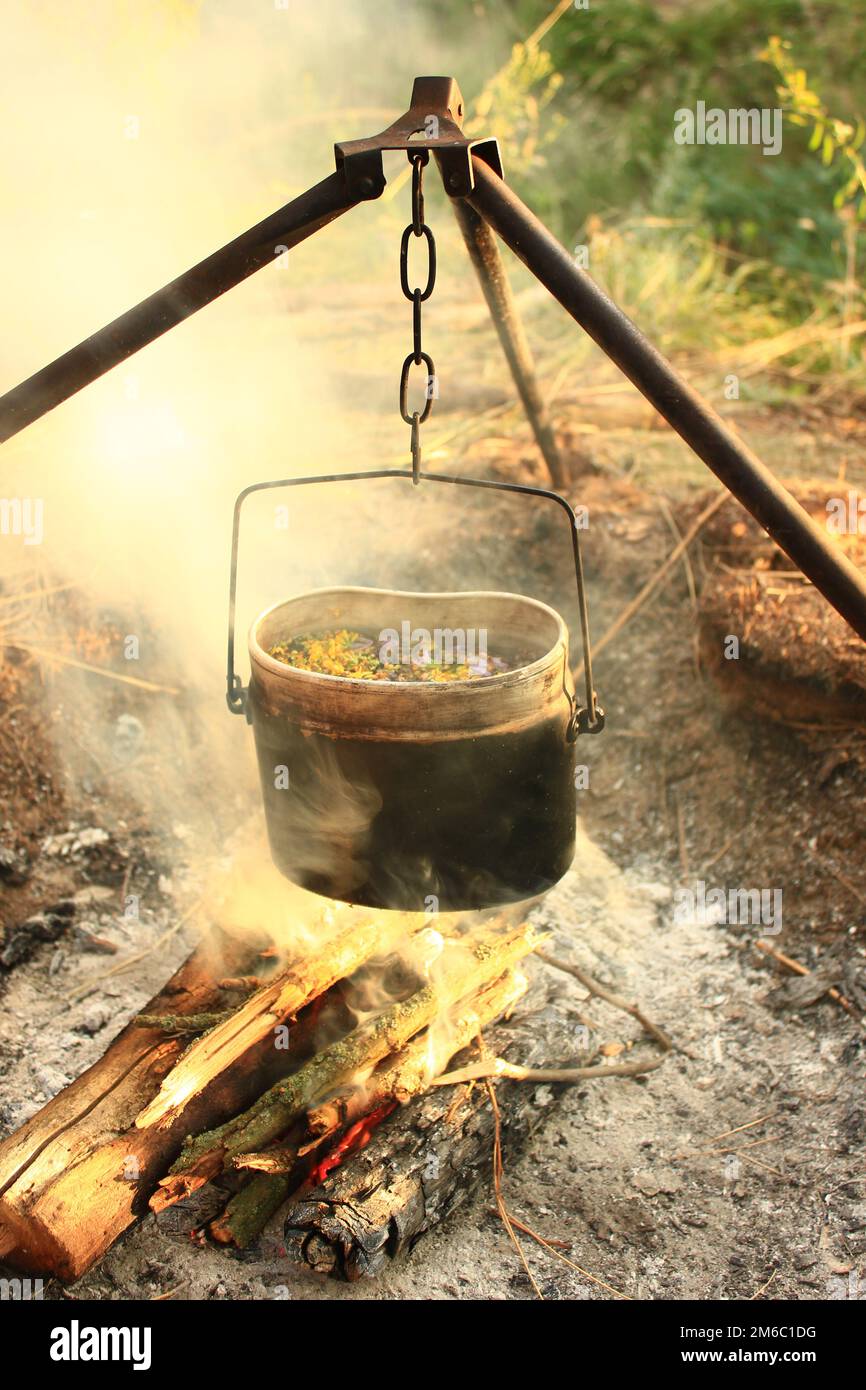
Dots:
pixel 587 123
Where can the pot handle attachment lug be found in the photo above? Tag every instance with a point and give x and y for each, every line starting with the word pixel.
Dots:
pixel 579 723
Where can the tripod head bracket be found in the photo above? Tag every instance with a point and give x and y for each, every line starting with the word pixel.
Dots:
pixel 433 122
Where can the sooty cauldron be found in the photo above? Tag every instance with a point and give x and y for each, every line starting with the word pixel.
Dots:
pixel 391 794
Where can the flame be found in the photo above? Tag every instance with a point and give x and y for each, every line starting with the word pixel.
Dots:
pixel 304 927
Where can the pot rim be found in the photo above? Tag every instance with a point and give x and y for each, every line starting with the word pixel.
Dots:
pixel 259 656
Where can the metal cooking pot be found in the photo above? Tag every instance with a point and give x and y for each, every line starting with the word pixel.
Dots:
pixel 391 793
pixel 418 795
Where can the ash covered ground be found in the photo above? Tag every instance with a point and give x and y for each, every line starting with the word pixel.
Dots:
pixel 644 1179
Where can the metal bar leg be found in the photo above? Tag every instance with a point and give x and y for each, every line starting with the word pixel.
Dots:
pixel 485 257
pixel 175 302
pixel 760 492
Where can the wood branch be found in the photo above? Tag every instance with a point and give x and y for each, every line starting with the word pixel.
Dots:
pixel 75 1175
pixel 604 992
pixel 413 1069
pixel 635 604
pixel 798 969
pixel 229 1044
pixel 400 1077
pixel 183 1023
pixel 277 1160
pixel 464 967
pixel 491 1067
pixel 250 1210
pixel 429 1156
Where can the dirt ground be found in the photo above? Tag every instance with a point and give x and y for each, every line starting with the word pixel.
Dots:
pixel 734 1170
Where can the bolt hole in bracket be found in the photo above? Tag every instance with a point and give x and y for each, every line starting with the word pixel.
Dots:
pixel 431 123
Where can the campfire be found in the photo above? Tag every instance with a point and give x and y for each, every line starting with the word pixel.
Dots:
pixel 252 1080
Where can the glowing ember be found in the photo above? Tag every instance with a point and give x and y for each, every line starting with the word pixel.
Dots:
pixel 357 1137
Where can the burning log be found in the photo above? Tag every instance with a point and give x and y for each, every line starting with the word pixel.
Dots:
pixel 428 1157
pixel 74 1176
pixel 409 1072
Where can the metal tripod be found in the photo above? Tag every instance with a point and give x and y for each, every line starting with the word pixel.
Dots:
pixel 472 175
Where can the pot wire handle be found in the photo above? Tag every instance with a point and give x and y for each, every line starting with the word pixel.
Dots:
pixel 587 718
pixel 236 693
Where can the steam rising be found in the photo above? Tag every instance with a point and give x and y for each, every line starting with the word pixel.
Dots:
pixel 145 137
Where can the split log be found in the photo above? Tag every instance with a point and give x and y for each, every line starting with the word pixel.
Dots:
pixel 74 1176
pixel 429 1156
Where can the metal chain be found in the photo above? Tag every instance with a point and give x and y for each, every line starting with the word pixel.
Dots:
pixel 419 229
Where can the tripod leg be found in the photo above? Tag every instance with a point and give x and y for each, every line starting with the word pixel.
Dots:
pixel 485 257
pixel 751 482
pixel 174 303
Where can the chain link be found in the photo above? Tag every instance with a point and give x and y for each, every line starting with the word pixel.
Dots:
pixel 417 357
